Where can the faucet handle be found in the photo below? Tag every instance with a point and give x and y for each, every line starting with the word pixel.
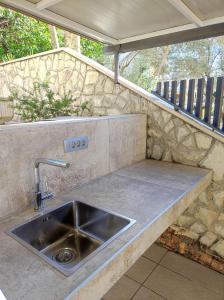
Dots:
pixel 46 194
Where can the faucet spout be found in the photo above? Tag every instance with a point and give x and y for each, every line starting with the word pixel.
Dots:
pixel 51 162
pixel 39 195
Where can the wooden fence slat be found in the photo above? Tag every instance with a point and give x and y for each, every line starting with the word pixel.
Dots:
pixel 218 102
pixel 174 92
pixel 158 88
pixel 199 100
pixel 200 103
pixel 223 120
pixel 190 98
pixel 182 94
pixel 166 90
pixel 208 99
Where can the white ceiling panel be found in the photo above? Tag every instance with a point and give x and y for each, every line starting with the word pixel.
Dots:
pixel 118 22
pixel 206 9
pixel 121 19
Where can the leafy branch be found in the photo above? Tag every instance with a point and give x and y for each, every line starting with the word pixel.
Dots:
pixel 43 103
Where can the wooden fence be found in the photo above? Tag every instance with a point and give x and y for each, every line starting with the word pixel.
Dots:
pixel 200 98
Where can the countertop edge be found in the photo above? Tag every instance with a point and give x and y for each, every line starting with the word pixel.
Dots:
pixel 111 271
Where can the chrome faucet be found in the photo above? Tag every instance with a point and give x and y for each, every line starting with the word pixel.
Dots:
pixel 40 195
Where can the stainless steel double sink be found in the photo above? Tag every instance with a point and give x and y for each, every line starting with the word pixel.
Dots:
pixel 70 234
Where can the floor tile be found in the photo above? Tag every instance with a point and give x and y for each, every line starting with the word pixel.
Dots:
pixel 194 271
pixel 141 269
pixel 173 286
pixel 146 294
pixel 124 289
pixel 155 253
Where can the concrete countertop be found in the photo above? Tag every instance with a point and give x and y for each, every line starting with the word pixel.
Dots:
pixel 151 192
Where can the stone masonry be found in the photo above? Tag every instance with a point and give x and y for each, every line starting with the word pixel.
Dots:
pixel 170 138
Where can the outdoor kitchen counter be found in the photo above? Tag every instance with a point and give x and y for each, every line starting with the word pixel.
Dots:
pixel 151 192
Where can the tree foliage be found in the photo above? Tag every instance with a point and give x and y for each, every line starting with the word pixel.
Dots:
pixel 22 36
pixel 196 59
pixel 93 50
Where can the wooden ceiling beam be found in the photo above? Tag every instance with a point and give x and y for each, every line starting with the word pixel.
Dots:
pixel 170 38
pixel 187 12
pixel 46 3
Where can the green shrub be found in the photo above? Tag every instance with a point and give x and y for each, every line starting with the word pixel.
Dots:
pixel 42 103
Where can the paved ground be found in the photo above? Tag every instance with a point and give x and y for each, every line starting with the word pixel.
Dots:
pixel 161 274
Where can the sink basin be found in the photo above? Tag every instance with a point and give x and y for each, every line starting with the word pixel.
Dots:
pixel 70 234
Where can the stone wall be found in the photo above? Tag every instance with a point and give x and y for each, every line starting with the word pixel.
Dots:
pixel 171 136
pixel 6 111
pixel 171 139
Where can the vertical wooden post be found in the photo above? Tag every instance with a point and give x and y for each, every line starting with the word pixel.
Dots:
pixel 190 97
pixel 182 94
pixel 158 88
pixel 223 121
pixel 200 95
pixel 166 90
pixel 208 99
pixel 116 64
pixel 174 92
pixel 218 102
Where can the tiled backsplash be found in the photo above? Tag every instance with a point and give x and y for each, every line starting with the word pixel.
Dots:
pixel 114 142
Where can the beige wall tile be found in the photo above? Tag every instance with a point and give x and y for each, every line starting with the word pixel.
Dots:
pixel 127 143
pixel 21 145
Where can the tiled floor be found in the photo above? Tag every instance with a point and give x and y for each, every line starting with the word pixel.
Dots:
pixel 160 274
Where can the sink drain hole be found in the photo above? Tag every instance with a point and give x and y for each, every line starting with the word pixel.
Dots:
pixel 65 255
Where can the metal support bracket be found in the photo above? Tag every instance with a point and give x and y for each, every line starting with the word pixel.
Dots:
pixel 116 64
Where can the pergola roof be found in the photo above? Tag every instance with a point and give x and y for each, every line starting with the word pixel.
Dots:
pixel 130 24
